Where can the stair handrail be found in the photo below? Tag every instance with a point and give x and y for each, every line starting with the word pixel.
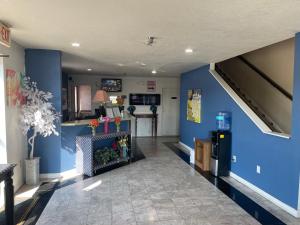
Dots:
pixel 266 77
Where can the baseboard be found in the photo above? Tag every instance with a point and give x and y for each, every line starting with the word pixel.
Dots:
pixel 62 175
pixel 274 200
pixel 192 154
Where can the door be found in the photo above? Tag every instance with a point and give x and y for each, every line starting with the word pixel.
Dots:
pixel 170 112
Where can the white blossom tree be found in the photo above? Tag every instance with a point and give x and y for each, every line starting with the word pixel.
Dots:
pixel 38 113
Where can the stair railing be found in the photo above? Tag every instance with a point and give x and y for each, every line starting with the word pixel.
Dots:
pixel 266 77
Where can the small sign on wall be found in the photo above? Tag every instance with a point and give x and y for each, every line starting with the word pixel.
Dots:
pixel 151 85
pixel 4 35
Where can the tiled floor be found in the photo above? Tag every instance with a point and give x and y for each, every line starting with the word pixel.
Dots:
pixel 159 190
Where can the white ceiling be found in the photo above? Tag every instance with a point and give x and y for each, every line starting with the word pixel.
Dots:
pixel 114 31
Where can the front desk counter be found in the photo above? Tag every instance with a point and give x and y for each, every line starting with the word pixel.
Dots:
pixel 71 129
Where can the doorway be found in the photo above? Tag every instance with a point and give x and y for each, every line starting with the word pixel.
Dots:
pixel 170 112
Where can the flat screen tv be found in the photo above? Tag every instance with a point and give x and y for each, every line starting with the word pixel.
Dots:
pixel 111 85
pixel 144 99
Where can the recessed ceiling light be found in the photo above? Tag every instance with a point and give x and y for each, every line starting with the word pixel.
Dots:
pixel 140 63
pixel 188 50
pixel 89 69
pixel 75 44
pixel 154 72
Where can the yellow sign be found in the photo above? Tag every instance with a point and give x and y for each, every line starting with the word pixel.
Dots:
pixel 222 136
pixel 4 35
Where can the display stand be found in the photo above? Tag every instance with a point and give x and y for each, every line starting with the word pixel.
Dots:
pixel 85 161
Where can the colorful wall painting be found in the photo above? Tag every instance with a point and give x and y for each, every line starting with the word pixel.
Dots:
pixel 194 105
pixel 14 82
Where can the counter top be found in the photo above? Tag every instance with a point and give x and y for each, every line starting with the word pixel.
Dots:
pixel 86 122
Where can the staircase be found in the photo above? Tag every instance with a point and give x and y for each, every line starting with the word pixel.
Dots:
pixel 267 104
pixel 250 102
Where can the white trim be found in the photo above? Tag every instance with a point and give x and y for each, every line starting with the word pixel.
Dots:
pixel 282 205
pixel 192 153
pixel 63 175
pixel 282 135
pixel 299 196
pixel 249 112
pixel 186 146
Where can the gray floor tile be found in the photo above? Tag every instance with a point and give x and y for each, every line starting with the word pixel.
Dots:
pixel 167 214
pixel 159 190
pixel 123 218
pixel 146 215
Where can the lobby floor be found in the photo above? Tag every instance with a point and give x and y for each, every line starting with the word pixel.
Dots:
pixel 160 190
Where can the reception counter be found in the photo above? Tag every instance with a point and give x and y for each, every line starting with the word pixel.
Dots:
pixel 71 129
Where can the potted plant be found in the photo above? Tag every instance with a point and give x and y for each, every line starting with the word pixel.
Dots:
pixel 94 123
pixel 118 123
pixel 38 117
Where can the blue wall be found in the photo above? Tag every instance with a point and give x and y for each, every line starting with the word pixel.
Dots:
pixel 44 67
pixel 57 153
pixel 278 157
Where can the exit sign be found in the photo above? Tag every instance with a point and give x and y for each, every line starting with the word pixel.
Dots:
pixel 4 35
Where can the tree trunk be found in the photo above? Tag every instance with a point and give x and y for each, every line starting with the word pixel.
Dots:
pixel 31 143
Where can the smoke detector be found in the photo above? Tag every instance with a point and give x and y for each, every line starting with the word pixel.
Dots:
pixel 151 40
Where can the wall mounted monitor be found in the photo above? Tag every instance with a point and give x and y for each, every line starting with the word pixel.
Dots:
pixel 111 85
pixel 144 99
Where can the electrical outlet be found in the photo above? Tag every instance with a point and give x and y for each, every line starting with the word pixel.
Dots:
pixel 233 158
pixel 258 169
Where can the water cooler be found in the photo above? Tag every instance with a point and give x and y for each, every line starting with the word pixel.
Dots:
pixel 221 146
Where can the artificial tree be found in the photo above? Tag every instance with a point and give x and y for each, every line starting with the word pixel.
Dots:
pixel 38 114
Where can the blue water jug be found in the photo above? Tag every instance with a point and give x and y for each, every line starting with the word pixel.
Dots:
pixel 223 120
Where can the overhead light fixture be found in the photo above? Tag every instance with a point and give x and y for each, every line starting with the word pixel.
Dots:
pixel 89 69
pixel 154 72
pixel 140 63
pixel 75 44
pixel 188 50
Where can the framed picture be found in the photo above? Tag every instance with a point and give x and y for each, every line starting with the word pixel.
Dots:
pixel 109 112
pixel 116 111
pixel 194 105
pixel 111 85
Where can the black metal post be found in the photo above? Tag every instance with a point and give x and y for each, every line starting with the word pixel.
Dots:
pixel 9 200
